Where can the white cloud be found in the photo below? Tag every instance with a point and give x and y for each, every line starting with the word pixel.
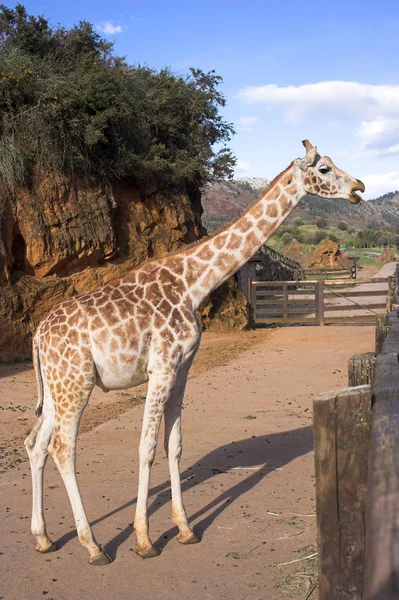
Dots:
pixel 109 29
pixel 380 136
pixel 380 183
pixel 342 99
pixel 242 165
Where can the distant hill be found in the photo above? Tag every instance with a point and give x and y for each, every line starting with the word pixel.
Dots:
pixel 225 200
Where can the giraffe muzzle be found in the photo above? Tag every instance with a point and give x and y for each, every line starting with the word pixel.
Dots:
pixel 359 186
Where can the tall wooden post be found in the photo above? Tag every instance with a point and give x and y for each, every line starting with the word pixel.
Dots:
pixel 251 303
pixel 381 332
pixel 391 289
pixel 342 421
pixel 320 301
pixel 361 369
pixel 285 300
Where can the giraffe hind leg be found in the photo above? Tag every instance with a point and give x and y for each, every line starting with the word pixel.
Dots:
pixel 63 451
pixel 36 445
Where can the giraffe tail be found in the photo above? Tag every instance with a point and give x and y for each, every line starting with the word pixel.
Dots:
pixel 39 379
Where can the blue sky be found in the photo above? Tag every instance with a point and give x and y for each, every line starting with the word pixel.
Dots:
pixel 327 70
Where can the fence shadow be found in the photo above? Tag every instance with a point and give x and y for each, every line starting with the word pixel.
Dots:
pixel 264 452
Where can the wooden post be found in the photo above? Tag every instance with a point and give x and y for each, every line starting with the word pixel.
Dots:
pixel 320 301
pixel 341 440
pixel 251 303
pixel 381 332
pixel 285 300
pixel 381 572
pixel 361 369
pixel 391 289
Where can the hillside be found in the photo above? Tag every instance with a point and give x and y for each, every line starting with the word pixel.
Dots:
pixel 225 200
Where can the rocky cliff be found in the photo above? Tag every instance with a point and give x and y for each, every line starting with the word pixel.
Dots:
pixel 59 239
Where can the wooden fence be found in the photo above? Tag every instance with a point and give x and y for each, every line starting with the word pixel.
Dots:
pixel 330 273
pixel 318 302
pixel 284 260
pixel 356 439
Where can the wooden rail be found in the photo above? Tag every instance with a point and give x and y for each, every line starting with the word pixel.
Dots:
pixel 288 262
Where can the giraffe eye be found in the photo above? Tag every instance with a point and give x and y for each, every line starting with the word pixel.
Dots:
pixel 324 169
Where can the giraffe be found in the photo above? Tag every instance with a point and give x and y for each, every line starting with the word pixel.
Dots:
pixel 146 329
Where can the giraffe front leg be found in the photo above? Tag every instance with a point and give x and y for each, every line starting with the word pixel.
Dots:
pixel 173 448
pixel 159 388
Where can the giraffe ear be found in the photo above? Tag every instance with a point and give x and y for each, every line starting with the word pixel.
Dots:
pixel 309 159
pixel 307 145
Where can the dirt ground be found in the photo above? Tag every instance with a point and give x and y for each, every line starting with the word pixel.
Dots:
pixel 247 473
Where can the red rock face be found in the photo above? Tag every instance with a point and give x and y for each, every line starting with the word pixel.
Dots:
pixel 327 254
pixel 58 239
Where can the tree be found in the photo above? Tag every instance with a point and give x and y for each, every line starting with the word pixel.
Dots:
pixel 343 226
pixel 322 223
pixel 69 104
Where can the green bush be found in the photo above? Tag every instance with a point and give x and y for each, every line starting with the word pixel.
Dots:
pixel 322 223
pixel 69 104
pixel 320 235
pixel 286 238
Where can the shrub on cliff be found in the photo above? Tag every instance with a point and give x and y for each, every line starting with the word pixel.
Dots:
pixel 68 104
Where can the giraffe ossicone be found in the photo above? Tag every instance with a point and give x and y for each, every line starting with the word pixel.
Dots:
pixel 146 329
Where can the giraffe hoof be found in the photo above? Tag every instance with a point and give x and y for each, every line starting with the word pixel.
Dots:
pixel 101 560
pixel 148 553
pixel 44 550
pixel 191 539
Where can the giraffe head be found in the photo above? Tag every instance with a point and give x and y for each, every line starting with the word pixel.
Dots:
pixel 320 177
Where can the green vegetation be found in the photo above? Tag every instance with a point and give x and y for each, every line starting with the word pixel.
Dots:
pixel 309 236
pixel 364 261
pixel 68 104
pixel 371 238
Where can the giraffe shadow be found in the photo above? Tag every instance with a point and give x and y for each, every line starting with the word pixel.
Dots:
pixel 260 454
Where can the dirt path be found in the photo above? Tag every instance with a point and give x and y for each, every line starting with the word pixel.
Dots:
pixel 247 472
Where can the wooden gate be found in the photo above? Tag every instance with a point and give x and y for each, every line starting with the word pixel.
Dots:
pixel 320 302
pixel 285 302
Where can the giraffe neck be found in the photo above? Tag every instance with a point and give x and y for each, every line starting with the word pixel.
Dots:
pixel 209 264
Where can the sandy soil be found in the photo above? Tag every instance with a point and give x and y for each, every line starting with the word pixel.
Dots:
pixel 247 472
